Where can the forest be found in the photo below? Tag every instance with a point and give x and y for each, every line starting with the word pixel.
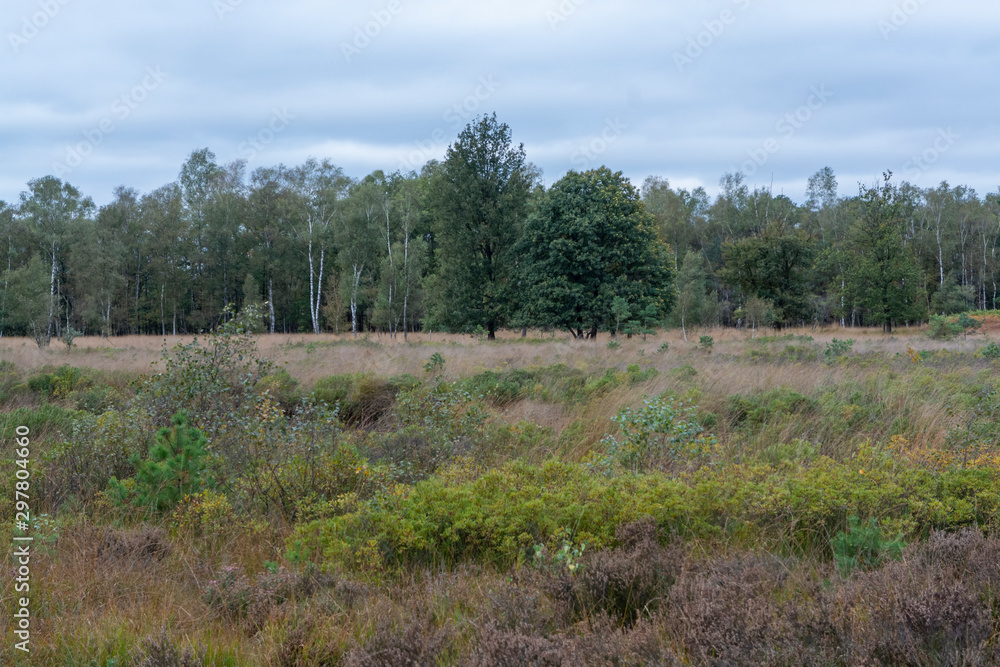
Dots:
pixel 457 247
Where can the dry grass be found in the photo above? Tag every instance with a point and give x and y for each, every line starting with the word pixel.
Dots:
pixel 309 357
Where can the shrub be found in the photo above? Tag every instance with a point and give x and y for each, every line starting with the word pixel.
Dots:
pixel 991 351
pixel 283 388
pixel 863 547
pixel 175 468
pixel 160 651
pixel 100 447
pixel 363 398
pixel 663 348
pixel 836 349
pixel 706 343
pixel 435 364
pixel 630 580
pixel 250 601
pixel 659 433
pixel 757 409
pixel 450 415
pixel 614 345
pixel 502 388
pixel 214 383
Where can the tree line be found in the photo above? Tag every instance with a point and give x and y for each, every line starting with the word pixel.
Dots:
pixel 475 242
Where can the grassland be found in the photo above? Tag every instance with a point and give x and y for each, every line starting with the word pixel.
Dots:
pixel 771 499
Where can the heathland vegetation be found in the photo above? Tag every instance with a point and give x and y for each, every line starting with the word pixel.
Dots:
pixel 620 426
pixel 764 497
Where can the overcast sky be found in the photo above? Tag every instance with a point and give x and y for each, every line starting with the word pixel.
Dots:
pixel 111 92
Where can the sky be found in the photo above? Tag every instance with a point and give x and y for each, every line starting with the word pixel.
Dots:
pixel 113 92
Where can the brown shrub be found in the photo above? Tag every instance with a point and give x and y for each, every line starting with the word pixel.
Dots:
pixel 630 580
pixel 413 643
pixel 160 651
pixel 139 546
pixel 600 642
pixel 734 611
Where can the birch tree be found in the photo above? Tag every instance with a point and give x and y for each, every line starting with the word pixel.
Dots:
pixel 52 209
pixel 321 189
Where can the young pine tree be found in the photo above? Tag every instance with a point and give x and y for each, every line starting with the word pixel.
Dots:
pixel 175 467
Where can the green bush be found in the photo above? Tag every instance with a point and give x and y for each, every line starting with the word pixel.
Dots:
pixel 502 388
pixel 45 420
pixel 501 515
pixel 498 518
pixel 836 349
pixel 863 547
pixel 214 381
pixel 363 398
pixel 991 351
pixel 174 469
pixel 283 388
pixel 775 404
pixel 706 343
pixel 99 447
pixel 435 364
pixel 659 433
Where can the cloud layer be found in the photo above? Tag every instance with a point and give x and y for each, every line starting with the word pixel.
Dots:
pixel 112 92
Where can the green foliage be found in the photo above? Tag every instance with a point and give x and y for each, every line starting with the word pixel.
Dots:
pixel 478 199
pixel 589 242
pixel 69 335
pixel 500 516
pixel 705 343
pixel 836 349
pixel 621 312
pixel 98 447
pixel 614 345
pixel 772 269
pixel 863 547
pixel 282 387
pixel 447 413
pixel 363 398
pixel 29 285
pixel 663 348
pixel 942 327
pixel 435 364
pixel 991 351
pixel 46 419
pixel 213 382
pixel 174 469
pixel 882 275
pixel 693 305
pixel 774 404
pixel 658 434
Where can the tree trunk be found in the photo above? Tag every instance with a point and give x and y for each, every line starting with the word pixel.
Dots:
pixel 270 300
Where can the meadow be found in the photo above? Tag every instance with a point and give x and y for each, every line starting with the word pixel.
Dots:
pixel 806 496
